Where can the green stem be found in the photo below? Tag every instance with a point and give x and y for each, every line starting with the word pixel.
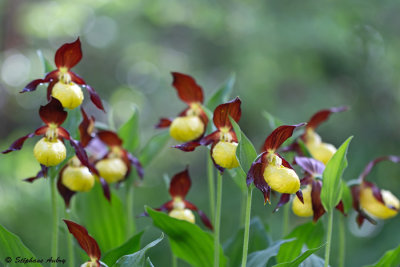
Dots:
pixel 211 186
pixel 342 238
pixel 243 209
pixel 70 244
pixel 130 223
pixel 174 260
pixel 217 222
pixel 328 238
pixel 247 226
pixel 286 213
pixel 54 211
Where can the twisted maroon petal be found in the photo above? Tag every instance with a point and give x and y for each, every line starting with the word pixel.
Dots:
pixel 188 146
pixel 41 174
pixel 180 184
pixel 188 90
pixel 211 138
pixel 135 162
pixel 224 111
pixel 203 216
pixel 50 89
pixel 371 164
pixel 86 128
pixel 317 206
pixel 33 85
pixel 110 138
pixel 163 123
pixel 17 145
pixel 322 116
pixel 95 98
pixel 278 136
pixel 63 133
pixel 282 201
pixel 68 55
pixel 106 188
pixel 65 193
pixel 53 112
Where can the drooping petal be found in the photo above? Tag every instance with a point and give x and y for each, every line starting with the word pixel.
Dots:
pixel 138 166
pixel 106 188
pixel 223 111
pixel 17 145
pixel 278 136
pixel 180 184
pixel 317 206
pixel 188 90
pixel 188 146
pixel 256 169
pixel 203 216
pixel 256 175
pixel 85 128
pixel 33 85
pixel 282 201
pixel 63 133
pixel 371 164
pixel 65 193
pixel 109 138
pixel 285 163
pixel 41 174
pixel 95 97
pixel 211 138
pixel 340 207
pixel 50 89
pixel 322 116
pixel 310 165
pixel 68 55
pixel 82 156
pixel 53 112
pixel 163 123
pixel 299 195
pixel 87 243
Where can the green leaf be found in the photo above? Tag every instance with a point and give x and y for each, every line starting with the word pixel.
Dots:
pixel 137 259
pixel 302 233
pixel 261 258
pixel 105 221
pixel 47 66
pixel 273 122
pixel 222 94
pixel 259 240
pixel 12 246
pixel 304 148
pixel 130 246
pixel 391 258
pixel 346 197
pixel 153 148
pixel 188 241
pixel 300 258
pixel 331 191
pixel 245 152
pixel 129 132
pixel 239 177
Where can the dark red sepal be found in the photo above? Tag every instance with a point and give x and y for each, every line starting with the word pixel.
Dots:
pixel 41 174
pixel 188 90
pixel 41 130
pixel 95 98
pixel 223 111
pixel 371 164
pixel 256 175
pixel 62 132
pixel 188 146
pixel 76 78
pixel 278 136
pixel 285 163
pixel 109 138
pixel 138 166
pixel 53 112
pixel 33 85
pixel 17 145
pixel 317 206
pixel 163 123
pixel 310 165
pixel 65 193
pixel 68 55
pixel 211 138
pixel 106 188
pixel 203 216
pixel 87 243
pixel 82 156
pixel 282 201
pixel 340 207
pixel 322 116
pixel 256 169
pixel 85 128
pixel 50 89
pixel 180 184
pixel 299 195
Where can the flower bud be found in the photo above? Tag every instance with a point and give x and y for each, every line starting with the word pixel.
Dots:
pixel 186 128
pixel 300 209
pixel 112 169
pixel 376 208
pixel 70 95
pixel 322 151
pixel 77 178
pixel 49 153
pixel 182 214
pixel 224 154
pixel 281 179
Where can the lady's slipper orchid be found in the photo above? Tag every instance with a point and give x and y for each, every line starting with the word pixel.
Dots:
pixel 63 83
pixel 191 123
pixel 371 201
pixel 178 207
pixel 86 242
pixel 319 150
pixel 271 171
pixel 77 177
pixel 312 205
pixel 50 150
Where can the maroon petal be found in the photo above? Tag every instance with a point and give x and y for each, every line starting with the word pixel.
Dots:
pixel 53 112
pixel 205 220
pixel 282 201
pixel 65 193
pixel 76 78
pixel 340 207
pixel 135 162
pixel 50 89
pixel 279 135
pixel 33 85
pixel 63 133
pixel 85 128
pixel 106 188
pixel 322 116
pixel 68 55
pixel 17 145
pixel 163 123
pixel 95 97
pixel 87 243
pixel 223 111
pixel 188 90
pixel 255 174
pixel 180 184
pixel 256 169
pixel 188 146
pixel 211 138
pixel 306 180
pixel 285 163
pixel 310 165
pixel 370 165
pixel 299 195
pixel 375 191
pixel 317 206
pixel 82 156
pixel 41 174
pixel 109 138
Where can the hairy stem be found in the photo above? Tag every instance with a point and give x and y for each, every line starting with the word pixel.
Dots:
pixel 54 211
pixel 328 238
pixel 342 242
pixel 217 222
pixel 70 244
pixel 211 186
pixel 247 226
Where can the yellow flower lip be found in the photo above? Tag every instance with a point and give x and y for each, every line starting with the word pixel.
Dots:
pixel 112 169
pixel 377 209
pixel 224 154
pixel 77 178
pixel 49 152
pixel 319 150
pixel 300 209
pixel 182 214
pixel 186 128
pixel 69 94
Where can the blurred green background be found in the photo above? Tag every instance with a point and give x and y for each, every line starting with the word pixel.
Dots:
pixel 291 58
